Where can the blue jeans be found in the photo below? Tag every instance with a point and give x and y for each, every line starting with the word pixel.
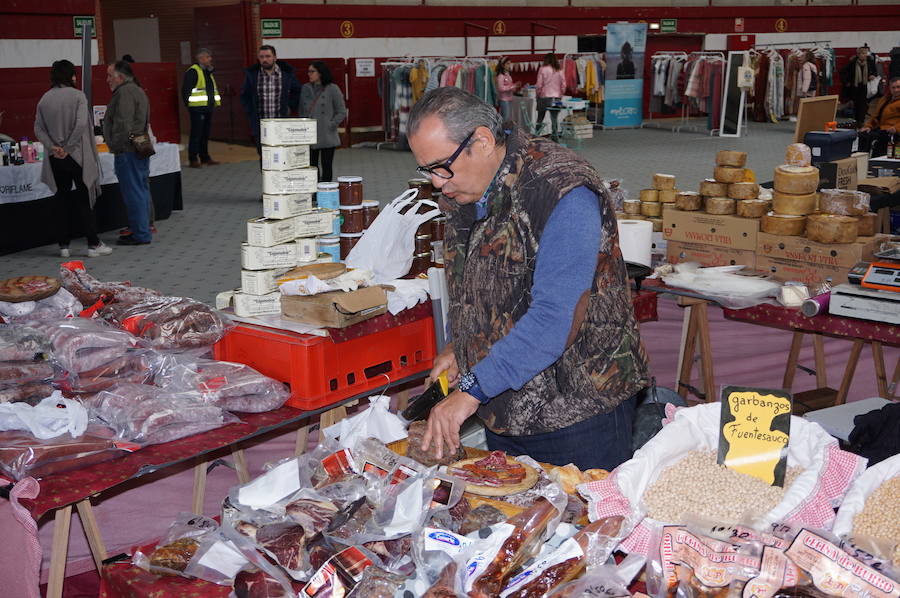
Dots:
pixel 134 184
pixel 602 441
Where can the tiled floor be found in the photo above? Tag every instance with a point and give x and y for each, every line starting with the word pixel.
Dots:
pixel 197 251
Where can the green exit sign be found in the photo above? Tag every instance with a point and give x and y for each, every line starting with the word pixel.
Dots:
pixel 668 25
pixel 271 27
pixel 78 24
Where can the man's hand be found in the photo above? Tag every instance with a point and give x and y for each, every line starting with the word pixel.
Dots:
pixel 871 77
pixel 59 152
pixel 891 130
pixel 444 362
pixel 864 130
pixel 445 420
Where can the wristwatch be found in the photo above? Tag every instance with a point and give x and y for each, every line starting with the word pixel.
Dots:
pixel 468 383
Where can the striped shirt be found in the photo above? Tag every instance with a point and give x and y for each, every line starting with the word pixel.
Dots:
pixel 269 85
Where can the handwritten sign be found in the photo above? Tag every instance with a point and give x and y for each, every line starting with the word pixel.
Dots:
pixel 754 432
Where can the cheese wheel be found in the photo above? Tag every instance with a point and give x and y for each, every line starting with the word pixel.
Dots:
pixel 632 206
pixel 667 195
pixel 649 195
pixel 728 174
pixel 867 224
pixel 712 188
pixel 731 158
pixel 780 224
pixel 657 224
pixel 798 180
pixel 743 190
pixel 831 228
pixel 621 216
pixel 793 205
pixel 688 201
pixel 636 217
pixel 663 181
pixel 751 208
pixel 719 205
pixel 651 208
pixel 798 154
pixel 843 202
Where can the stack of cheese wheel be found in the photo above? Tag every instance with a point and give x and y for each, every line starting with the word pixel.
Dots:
pixel 793 199
pixel 729 171
pixel 688 201
pixel 839 217
pixel 652 200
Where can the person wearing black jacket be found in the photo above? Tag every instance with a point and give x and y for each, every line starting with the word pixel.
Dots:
pixel 271 90
pixel 855 78
pixel 201 96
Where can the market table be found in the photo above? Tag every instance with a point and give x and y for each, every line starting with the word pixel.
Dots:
pixel 26 204
pixel 695 333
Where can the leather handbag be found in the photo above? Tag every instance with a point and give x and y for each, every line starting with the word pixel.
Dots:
pixel 143 146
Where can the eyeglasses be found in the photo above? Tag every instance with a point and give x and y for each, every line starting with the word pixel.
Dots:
pixel 312 71
pixel 442 170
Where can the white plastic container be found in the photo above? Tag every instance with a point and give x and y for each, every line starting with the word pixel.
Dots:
pixel 287 131
pixel 286 206
pixel 283 182
pixel 284 157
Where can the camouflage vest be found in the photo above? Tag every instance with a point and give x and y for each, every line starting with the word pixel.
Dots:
pixel 490 270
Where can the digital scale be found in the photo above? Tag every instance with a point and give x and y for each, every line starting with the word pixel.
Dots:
pixel 884 276
pixel 867 303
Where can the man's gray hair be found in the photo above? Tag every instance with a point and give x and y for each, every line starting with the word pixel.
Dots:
pixel 201 52
pixel 459 111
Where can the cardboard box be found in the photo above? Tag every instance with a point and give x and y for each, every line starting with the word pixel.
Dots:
pixel 800 271
pixel 800 249
pixel 884 166
pixel 284 157
pixel 284 182
pixel 336 310
pixel 709 229
pixel 262 232
pixel 839 174
pixel 267 258
pixel 247 306
pixel 709 255
pixel 287 131
pixel 317 221
pixel 286 206
pixel 862 165
pixel 260 282
pixel 880 185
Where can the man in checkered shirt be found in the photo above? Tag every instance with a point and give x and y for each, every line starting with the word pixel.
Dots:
pixel 271 90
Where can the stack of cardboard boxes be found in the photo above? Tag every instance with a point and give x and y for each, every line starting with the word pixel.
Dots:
pixel 285 236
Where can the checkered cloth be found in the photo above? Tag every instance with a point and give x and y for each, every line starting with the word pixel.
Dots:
pixel 269 86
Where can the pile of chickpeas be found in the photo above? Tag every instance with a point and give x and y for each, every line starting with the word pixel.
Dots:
pixel 880 518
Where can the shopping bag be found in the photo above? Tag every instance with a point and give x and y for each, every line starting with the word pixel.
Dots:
pixel 386 248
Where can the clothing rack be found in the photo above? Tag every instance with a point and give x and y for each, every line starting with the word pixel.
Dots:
pixel 672 54
pixel 704 54
pixel 827 43
pixel 598 57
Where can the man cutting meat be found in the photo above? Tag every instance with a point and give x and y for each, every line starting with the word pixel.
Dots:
pixel 545 345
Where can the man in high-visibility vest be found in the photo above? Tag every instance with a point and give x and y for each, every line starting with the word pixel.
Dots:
pixel 201 96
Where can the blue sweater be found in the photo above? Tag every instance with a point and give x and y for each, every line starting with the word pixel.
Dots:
pixel 564 270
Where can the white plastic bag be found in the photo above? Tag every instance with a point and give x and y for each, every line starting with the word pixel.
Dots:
pixel 808 500
pixel 388 245
pixel 859 491
pixel 376 421
pixel 52 417
pixel 873 87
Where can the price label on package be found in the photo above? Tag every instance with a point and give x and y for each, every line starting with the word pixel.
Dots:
pixel 754 432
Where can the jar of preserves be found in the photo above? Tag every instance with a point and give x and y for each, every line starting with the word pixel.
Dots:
pixel 348 241
pixel 352 219
pixel 423 188
pixel 423 243
pixel 420 264
pixel 328 196
pixel 332 246
pixel 438 226
pixel 370 212
pixel 350 189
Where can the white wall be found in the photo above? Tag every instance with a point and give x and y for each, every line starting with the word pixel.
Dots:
pixel 23 53
pixel 879 41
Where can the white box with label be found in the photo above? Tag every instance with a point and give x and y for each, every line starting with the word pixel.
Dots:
pixel 267 258
pixel 284 157
pixel 260 282
pixel 283 182
pixel 287 131
pixel 262 232
pixel 317 221
pixel 247 306
pixel 286 206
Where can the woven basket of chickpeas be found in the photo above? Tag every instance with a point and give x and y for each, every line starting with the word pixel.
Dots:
pixel 676 473
pixel 871 509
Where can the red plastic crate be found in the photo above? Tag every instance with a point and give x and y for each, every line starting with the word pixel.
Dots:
pixel 320 371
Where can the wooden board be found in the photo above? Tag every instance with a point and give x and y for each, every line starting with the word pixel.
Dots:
pixel 531 478
pixel 813 114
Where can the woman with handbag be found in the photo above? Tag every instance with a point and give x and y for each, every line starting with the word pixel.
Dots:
pixel 62 124
pixel 322 100
pixel 125 132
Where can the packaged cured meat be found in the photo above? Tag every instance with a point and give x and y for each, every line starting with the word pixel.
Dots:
pixel 593 543
pixel 231 386
pixel 480 517
pixel 23 455
pixel 88 290
pixel 253 582
pixel 608 581
pixel 377 583
pixel 58 306
pixel 22 343
pixel 169 322
pixel 340 574
pixel 494 558
pixel 150 415
pixel 283 540
pixel 427 457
